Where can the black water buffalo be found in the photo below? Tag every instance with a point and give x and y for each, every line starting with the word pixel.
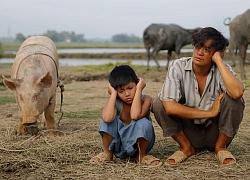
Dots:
pixel 239 38
pixel 169 37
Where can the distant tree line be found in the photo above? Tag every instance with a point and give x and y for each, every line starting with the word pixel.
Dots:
pixel 63 36
pixel 1 50
pixel 72 37
pixel 124 38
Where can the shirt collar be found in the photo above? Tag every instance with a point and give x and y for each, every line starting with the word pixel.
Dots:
pixel 189 65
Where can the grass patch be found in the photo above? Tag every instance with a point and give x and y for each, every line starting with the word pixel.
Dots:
pixel 99 45
pixel 15 46
pixel 7 99
pixel 3 88
pixel 247 83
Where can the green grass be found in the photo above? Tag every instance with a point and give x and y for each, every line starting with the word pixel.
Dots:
pixel 3 88
pixel 99 45
pixel 7 99
pixel 247 83
pixel 15 46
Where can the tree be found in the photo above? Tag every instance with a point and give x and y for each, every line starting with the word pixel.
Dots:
pixel 20 37
pixel 124 38
pixel 64 36
pixel 1 50
pixel 53 35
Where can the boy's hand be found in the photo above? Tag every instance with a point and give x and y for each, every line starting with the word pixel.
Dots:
pixel 111 90
pixel 141 84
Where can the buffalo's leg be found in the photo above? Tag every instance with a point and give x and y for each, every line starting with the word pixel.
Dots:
pixel 148 56
pixel 242 53
pixel 154 54
pixel 233 56
pixel 168 58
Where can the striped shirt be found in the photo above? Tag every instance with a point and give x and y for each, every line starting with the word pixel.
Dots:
pixel 181 85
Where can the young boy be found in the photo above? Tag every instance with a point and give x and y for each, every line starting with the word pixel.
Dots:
pixel 125 126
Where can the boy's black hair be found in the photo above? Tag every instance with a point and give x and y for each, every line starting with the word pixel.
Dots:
pixel 200 37
pixel 122 75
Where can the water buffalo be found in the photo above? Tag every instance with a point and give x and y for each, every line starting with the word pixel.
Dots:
pixel 34 79
pixel 239 38
pixel 169 37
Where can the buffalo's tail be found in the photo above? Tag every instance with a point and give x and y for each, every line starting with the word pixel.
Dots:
pixel 227 21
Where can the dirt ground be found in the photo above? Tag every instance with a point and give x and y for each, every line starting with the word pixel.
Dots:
pixel 67 156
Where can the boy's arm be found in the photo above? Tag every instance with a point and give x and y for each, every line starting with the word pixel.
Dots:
pixel 140 108
pixel 109 111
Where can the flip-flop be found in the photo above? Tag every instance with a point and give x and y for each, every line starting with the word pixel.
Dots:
pixel 102 157
pixel 178 157
pixel 148 159
pixel 223 155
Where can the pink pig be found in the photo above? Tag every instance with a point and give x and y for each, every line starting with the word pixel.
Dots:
pixel 34 79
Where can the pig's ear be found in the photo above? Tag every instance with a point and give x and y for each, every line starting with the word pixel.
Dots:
pixel 46 80
pixel 12 84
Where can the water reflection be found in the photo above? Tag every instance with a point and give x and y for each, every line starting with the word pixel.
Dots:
pixel 101 50
pixel 106 50
pixel 81 62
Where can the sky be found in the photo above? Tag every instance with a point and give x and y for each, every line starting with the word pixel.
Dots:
pixel 105 18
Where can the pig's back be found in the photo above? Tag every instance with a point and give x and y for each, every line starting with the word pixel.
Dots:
pixel 36 45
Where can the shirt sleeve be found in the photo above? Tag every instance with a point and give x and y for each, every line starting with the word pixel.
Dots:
pixel 171 86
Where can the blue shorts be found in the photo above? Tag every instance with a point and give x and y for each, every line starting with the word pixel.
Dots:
pixel 125 137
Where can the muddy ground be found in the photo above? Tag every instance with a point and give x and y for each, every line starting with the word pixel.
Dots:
pixel 67 156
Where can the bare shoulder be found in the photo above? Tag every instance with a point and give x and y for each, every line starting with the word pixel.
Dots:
pixel 147 98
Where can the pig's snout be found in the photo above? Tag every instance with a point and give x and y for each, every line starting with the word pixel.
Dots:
pixel 29 116
pixel 29 120
pixel 32 129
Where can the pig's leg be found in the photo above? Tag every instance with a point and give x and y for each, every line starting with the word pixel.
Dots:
pixel 21 127
pixel 43 120
pixel 49 116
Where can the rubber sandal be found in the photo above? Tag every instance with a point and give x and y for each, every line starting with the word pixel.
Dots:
pixel 178 157
pixel 223 155
pixel 148 159
pixel 102 158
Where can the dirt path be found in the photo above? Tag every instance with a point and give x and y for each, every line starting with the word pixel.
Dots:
pixel 67 156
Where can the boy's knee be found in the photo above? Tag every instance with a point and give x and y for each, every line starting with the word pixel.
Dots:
pixel 143 122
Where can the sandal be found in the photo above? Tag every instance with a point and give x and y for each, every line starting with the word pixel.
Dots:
pixel 100 158
pixel 178 157
pixel 148 159
pixel 222 155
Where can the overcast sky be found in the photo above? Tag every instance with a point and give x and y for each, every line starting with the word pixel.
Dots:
pixel 105 18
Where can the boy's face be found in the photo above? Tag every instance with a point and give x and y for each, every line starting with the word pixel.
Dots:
pixel 127 92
